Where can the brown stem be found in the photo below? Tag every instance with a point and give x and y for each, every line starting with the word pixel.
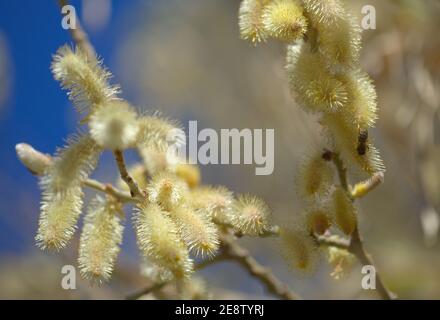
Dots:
pixel 239 254
pixel 125 176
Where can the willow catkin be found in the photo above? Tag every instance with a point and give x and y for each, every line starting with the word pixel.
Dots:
pixel 58 218
pixel 318 220
pixel 323 12
pixel 114 125
pixel 62 198
pixel 250 20
pixel 85 79
pixel 217 202
pixel 167 190
pixel 251 215
pixel 284 20
pixel 299 248
pixel 159 240
pixel 344 211
pixel 100 240
pixel 315 177
pixel 197 231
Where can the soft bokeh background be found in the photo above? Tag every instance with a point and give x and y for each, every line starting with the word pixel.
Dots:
pixel 185 58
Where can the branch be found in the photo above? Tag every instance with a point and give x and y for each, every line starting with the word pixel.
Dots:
pixel 125 176
pixel 151 288
pixel 234 251
pixel 332 241
pixel 356 245
pixel 37 162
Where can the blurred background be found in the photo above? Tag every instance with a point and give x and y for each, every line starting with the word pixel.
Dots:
pixel 185 58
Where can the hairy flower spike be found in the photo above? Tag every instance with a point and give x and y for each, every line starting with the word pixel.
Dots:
pixel 100 240
pixel 314 88
pixel 189 173
pixel 167 190
pixel 284 20
pixel 114 125
pixel 323 12
pixel 315 177
pixel 344 211
pixel 299 249
pixel 159 134
pixel 85 79
pixel 58 218
pixel 196 230
pixel 71 164
pixel 251 21
pixel 215 201
pixel 159 240
pixel 340 43
pixel 318 221
pixel 251 215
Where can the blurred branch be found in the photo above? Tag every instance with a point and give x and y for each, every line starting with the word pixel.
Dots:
pixel 125 176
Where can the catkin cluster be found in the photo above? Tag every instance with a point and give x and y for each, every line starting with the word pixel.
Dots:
pixel 325 77
pixel 175 218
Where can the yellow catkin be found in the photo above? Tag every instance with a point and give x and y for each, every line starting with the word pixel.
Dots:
pixel 62 195
pixel 314 88
pixel 190 173
pixel 251 215
pixel 284 20
pixel 196 230
pixel 251 20
pixel 299 249
pixel 323 12
pixel 345 135
pixel 114 125
pixel 71 164
pixel 340 43
pixel 167 190
pixel 344 211
pixel 362 108
pixel 318 221
pixel 83 77
pixel 159 240
pixel 315 176
pixel 215 201
pixel 159 134
pixel 100 240
pixel 58 218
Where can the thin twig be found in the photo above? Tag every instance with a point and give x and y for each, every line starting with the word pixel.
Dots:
pixel 125 176
pixel 330 241
pixel 239 254
pixel 151 288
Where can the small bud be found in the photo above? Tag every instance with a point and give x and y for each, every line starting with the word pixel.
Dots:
pixel 35 161
pixel 251 215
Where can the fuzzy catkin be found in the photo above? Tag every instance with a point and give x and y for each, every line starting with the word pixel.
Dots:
pixel 167 190
pixel 100 240
pixel 196 230
pixel 85 79
pixel 251 21
pixel 114 125
pixel 251 215
pixel 344 211
pixel 158 239
pixel 217 202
